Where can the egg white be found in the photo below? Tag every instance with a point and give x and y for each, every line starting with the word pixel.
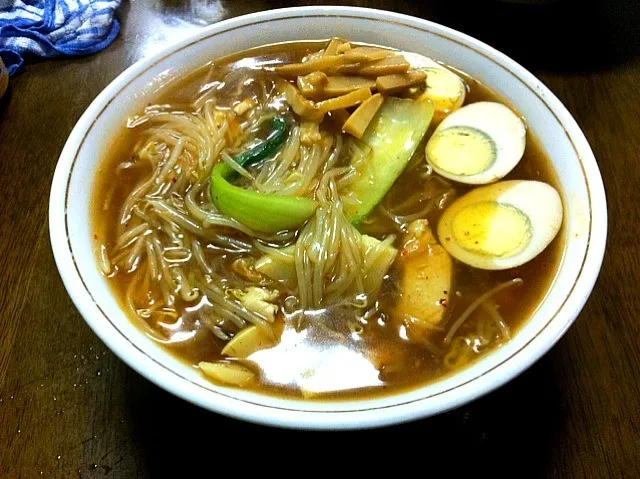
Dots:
pixel 501 125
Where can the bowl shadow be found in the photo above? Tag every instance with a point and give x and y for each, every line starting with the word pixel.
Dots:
pixel 505 428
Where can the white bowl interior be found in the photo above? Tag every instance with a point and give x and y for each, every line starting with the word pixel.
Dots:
pixel 549 121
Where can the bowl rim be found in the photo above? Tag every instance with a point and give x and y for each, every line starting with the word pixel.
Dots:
pixel 363 417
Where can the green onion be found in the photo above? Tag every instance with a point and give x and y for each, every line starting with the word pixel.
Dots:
pixel 268 147
pixel 263 212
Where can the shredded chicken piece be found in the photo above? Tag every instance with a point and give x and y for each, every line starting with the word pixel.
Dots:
pixel 258 300
pixel 426 278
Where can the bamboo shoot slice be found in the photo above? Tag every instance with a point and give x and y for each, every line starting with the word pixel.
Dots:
pixel 345 101
pixel 366 54
pixel 386 66
pixel 345 47
pixel 390 84
pixel 247 342
pixel 312 85
pixel 228 373
pixel 360 119
pixel 341 85
pixel 298 103
pixel 332 48
pixel 317 64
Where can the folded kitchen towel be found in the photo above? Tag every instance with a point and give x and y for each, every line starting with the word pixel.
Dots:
pixel 54 28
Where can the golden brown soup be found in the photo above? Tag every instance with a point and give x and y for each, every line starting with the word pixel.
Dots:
pixel 339 350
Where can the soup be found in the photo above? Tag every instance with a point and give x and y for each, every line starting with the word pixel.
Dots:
pixel 327 220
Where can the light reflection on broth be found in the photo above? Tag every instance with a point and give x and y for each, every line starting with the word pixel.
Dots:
pixel 323 309
pixel 308 360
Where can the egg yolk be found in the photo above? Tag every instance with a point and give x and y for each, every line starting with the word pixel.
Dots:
pixel 491 229
pixel 461 150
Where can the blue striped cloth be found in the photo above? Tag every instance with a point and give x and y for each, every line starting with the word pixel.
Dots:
pixel 53 28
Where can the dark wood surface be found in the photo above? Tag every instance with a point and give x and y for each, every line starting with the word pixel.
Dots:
pixel 70 408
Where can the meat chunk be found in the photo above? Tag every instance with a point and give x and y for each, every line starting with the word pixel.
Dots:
pixel 426 278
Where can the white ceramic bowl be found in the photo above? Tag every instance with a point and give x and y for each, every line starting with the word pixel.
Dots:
pixel 582 190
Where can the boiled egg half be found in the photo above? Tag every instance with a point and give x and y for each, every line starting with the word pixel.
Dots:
pixel 444 88
pixel 503 225
pixel 478 144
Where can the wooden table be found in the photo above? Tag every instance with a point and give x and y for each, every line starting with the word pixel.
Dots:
pixel 70 408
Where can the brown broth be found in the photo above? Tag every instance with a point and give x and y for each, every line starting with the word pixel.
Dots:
pixel 400 364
